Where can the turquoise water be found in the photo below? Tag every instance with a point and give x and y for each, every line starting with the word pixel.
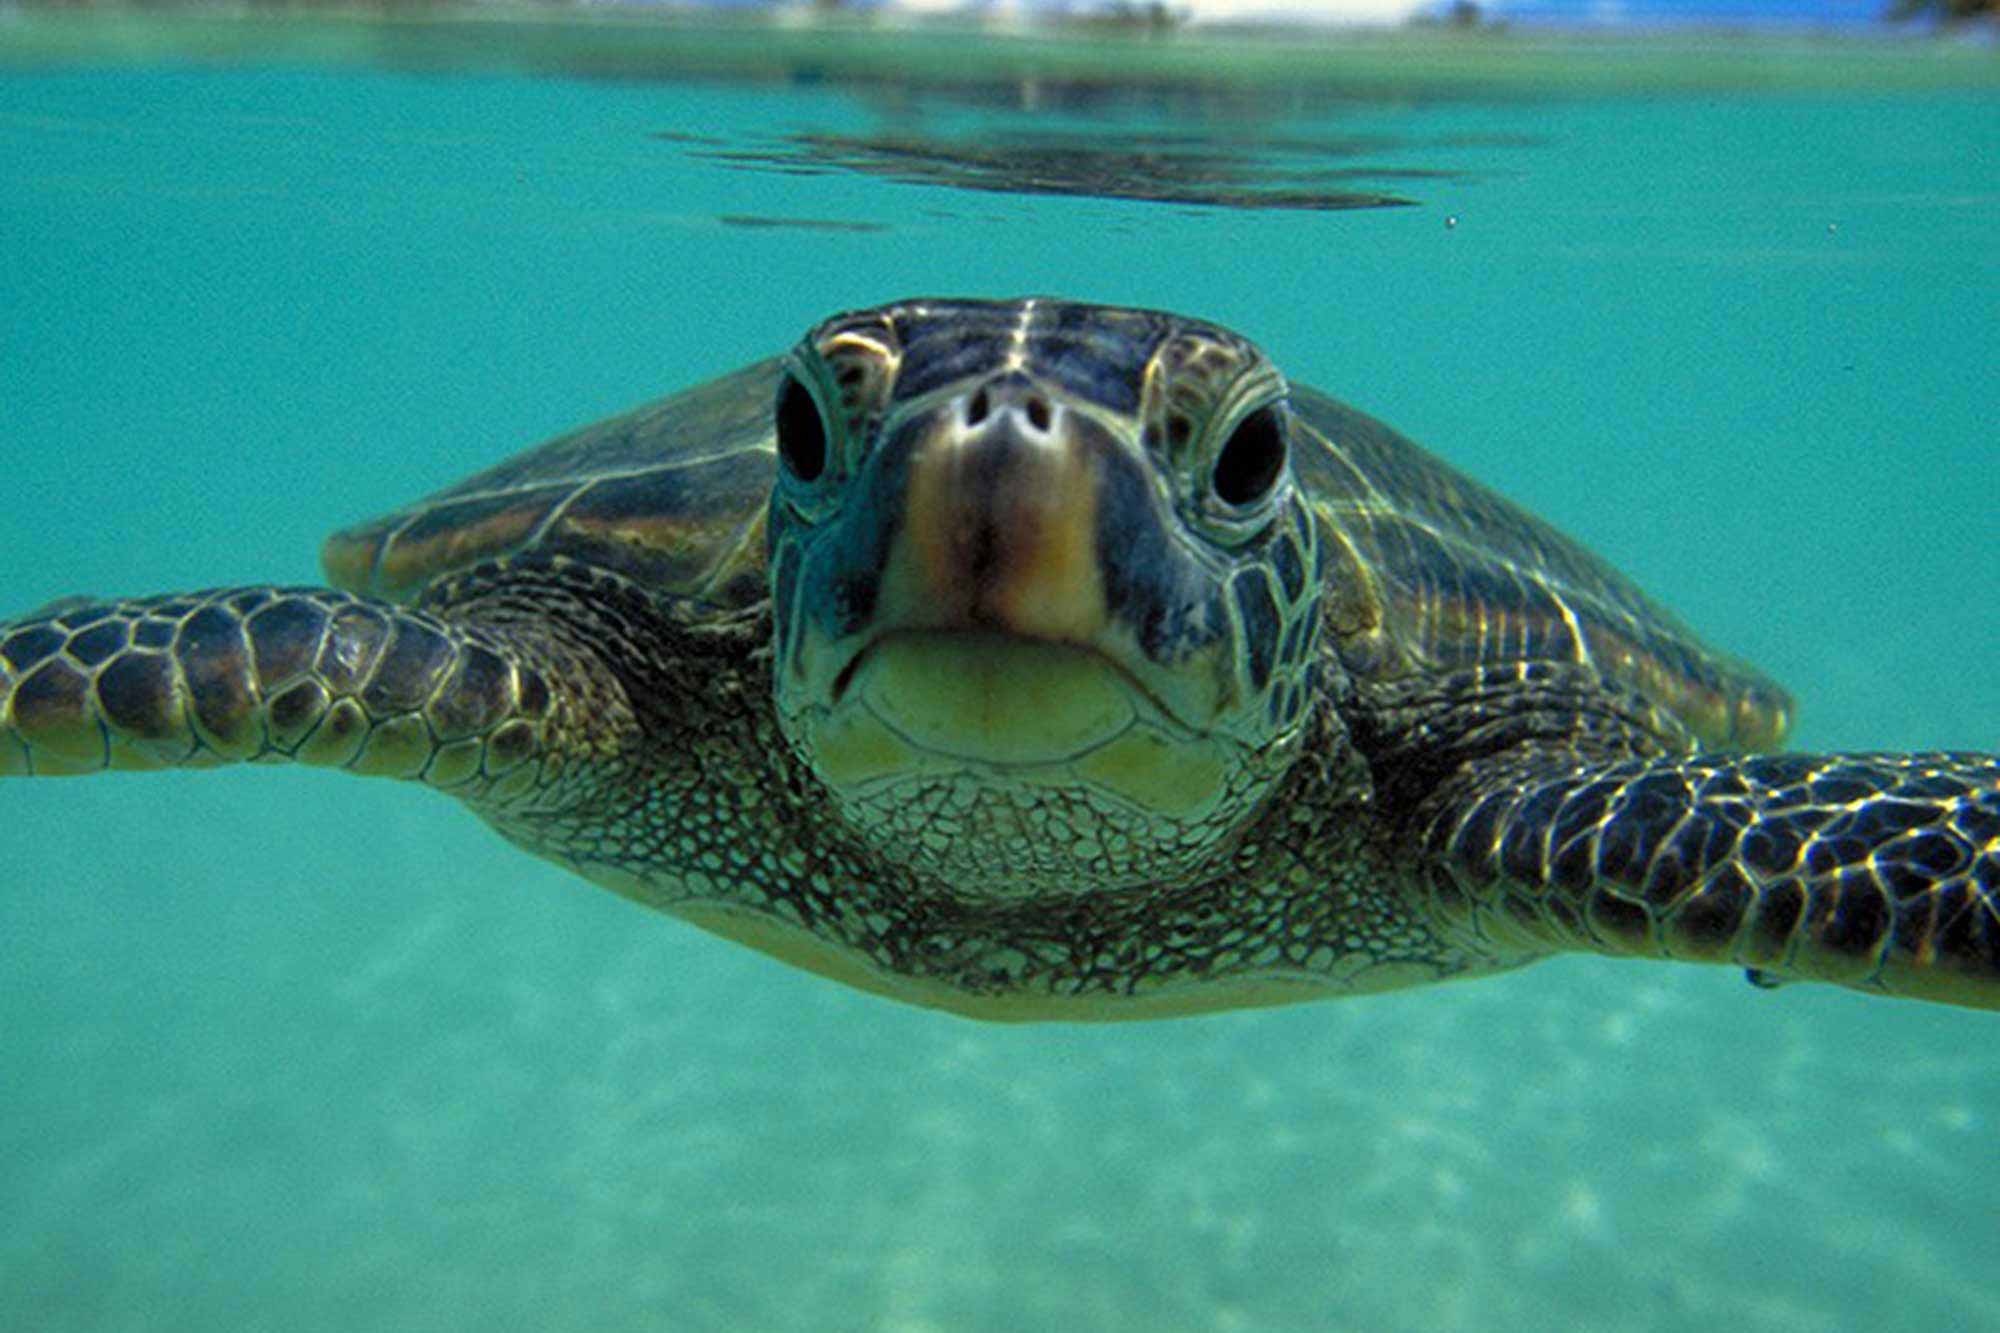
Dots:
pixel 285 1050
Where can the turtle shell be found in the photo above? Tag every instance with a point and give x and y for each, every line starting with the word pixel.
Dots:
pixel 1432 572
pixel 671 494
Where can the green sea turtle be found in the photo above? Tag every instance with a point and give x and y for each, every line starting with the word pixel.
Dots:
pixel 1040 660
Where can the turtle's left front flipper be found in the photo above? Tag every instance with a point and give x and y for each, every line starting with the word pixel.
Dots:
pixel 1879 872
pixel 306 675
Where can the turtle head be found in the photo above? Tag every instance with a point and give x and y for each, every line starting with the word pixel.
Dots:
pixel 1043 588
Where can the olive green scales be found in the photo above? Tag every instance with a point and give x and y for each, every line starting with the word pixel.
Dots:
pixel 1041 660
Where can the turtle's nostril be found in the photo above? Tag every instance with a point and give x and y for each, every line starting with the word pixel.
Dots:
pixel 1008 395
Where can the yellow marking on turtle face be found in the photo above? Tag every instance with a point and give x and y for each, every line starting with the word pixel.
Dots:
pixel 1019 552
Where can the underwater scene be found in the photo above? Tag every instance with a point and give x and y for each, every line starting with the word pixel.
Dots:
pixel 284 1049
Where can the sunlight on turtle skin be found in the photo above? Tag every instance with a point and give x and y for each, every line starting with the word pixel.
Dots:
pixel 1039 660
pixel 1871 871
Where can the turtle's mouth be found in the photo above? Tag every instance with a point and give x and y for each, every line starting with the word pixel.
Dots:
pixel 1005 766
pixel 992 698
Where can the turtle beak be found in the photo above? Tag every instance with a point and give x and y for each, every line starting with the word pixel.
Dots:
pixel 1000 518
pixel 987 640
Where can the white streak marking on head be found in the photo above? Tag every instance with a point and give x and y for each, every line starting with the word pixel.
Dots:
pixel 1017 355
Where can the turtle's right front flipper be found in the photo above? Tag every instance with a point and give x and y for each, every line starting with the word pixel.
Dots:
pixel 1875 871
pixel 267 674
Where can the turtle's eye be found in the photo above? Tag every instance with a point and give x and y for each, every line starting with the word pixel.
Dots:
pixel 1251 460
pixel 801 432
